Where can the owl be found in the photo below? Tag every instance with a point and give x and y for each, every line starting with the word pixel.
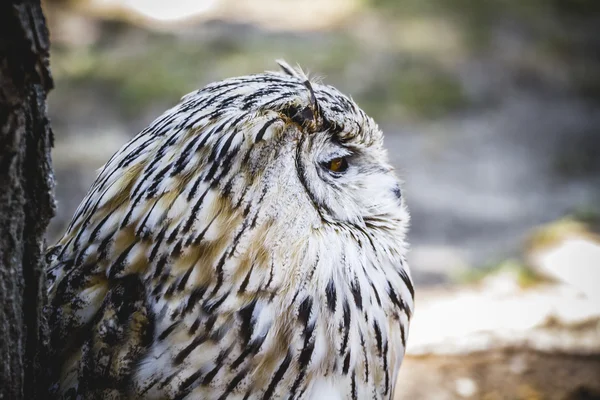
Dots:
pixel 249 244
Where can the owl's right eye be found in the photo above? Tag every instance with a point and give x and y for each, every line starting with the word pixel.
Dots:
pixel 336 165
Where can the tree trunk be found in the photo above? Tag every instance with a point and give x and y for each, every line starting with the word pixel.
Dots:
pixel 26 197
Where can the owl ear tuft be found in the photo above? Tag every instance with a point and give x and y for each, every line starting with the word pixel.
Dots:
pixel 314 109
pixel 288 70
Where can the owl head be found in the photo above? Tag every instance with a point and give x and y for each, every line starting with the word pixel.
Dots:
pixel 309 153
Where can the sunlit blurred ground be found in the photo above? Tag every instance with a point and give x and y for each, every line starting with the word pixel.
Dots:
pixel 491 111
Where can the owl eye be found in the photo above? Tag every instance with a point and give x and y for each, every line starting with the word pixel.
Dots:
pixel 337 165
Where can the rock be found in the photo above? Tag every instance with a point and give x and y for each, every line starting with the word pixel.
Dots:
pixel 497 340
pixel 568 252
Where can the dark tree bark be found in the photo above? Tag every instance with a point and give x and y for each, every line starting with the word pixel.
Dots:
pixel 26 197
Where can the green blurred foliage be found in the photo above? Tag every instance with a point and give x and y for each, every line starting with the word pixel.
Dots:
pixel 564 32
pixel 165 70
pixel 419 87
pixel 522 274
pixel 392 81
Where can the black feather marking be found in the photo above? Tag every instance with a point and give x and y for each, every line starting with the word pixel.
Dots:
pixel 213 132
pixel 196 208
pixel 331 295
pixel 377 298
pixel 184 279
pixel 263 129
pixel 157 243
pixel 284 96
pixel 246 322
pixel 228 101
pixel 253 347
pixel 210 306
pixel 170 290
pixel 193 191
pixel 346 366
pixel 407 281
pixel 345 326
pixel 397 301
pixel 232 385
pixel 210 323
pixel 219 364
pixel 168 331
pixel 173 235
pixel 132 207
pixel 140 231
pixel 176 253
pixel 353 386
pixel 356 294
pixel 196 240
pixel 271 274
pixel 278 376
pixel 306 353
pixel 224 165
pixel 100 224
pixel 304 310
pixel 385 369
pixel 211 172
pixel 181 162
pixel 227 144
pixel 268 92
pixel 184 388
pixel 168 379
pixel 119 265
pixel 194 298
pixel 194 327
pixel 365 356
pixel 198 340
pixel 403 335
pixel 378 339
pixel 160 265
pixel 152 190
pixel 304 181
pixel 105 245
pixel 246 280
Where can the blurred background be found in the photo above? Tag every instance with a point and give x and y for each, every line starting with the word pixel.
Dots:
pixel 491 114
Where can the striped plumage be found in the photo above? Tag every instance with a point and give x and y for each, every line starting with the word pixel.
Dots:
pixel 248 244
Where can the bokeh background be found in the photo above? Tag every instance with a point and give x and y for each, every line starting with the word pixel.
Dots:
pixel 491 114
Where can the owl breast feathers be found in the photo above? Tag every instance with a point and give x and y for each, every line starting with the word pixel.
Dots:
pixel 248 244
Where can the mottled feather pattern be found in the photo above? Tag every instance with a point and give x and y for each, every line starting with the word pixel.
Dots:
pixel 216 257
